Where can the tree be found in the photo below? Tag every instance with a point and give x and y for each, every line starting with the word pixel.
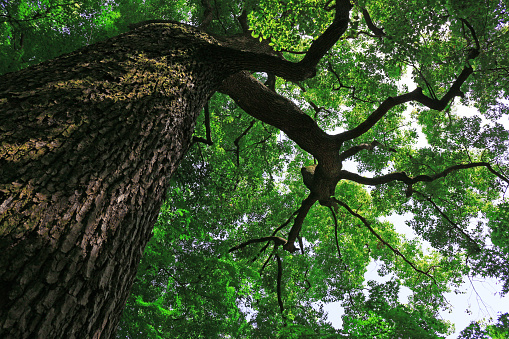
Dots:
pixel 95 170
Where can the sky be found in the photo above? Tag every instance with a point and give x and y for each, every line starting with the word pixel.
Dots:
pixel 481 300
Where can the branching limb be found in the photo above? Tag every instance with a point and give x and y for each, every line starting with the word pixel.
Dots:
pixel 356 149
pixel 474 35
pixel 279 112
pixel 318 109
pixel 335 230
pixel 379 32
pixel 416 95
pixel 331 35
pixel 208 134
pixel 341 85
pixel 297 225
pixel 279 278
pixel 275 232
pixel 236 142
pixel 394 250
pixel 402 176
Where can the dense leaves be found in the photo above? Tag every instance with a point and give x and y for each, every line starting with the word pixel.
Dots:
pixel 247 184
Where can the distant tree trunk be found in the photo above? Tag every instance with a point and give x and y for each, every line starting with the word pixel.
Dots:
pixel 88 142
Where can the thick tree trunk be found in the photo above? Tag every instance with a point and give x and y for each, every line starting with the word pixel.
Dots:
pixel 88 142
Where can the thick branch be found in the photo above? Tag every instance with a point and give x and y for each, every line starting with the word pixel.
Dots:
pixel 416 95
pixel 208 134
pixel 266 105
pixel 379 32
pixel 297 225
pixel 474 35
pixel 402 176
pixel 331 35
pixel 279 278
pixel 394 250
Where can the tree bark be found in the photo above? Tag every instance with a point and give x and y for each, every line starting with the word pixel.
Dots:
pixel 87 144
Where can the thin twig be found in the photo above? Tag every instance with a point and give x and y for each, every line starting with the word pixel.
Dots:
pixel 276 240
pixel 394 250
pixel 449 220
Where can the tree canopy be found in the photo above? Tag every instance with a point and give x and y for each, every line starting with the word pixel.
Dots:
pixel 277 209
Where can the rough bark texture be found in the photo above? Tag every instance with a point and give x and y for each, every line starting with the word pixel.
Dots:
pixel 87 144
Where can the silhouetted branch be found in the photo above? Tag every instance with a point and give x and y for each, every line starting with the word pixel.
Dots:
pixel 279 278
pixel 236 142
pixel 449 220
pixel 275 232
pixel 267 260
pixel 379 32
pixel 402 176
pixel 208 133
pixel 331 35
pixel 297 225
pixel 474 35
pixel 341 85
pixel 416 95
pixel 335 230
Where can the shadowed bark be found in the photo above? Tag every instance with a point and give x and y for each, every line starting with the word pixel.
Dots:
pixel 88 143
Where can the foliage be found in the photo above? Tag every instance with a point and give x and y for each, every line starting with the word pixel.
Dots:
pixel 248 182
pixel 480 330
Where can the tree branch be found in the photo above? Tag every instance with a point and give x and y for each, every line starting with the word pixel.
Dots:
pixel 242 19
pixel 402 176
pixel 331 35
pixel 474 35
pixel 336 230
pixel 208 139
pixel 379 32
pixel 352 88
pixel 275 232
pixel 279 112
pixel 208 15
pixel 236 142
pixel 279 278
pixel 297 225
pixel 416 95
pixel 477 247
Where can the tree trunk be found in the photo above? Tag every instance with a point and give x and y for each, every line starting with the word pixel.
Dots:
pixel 87 144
